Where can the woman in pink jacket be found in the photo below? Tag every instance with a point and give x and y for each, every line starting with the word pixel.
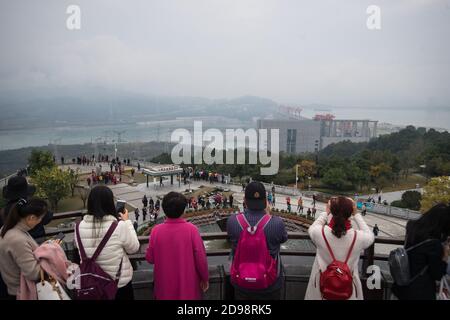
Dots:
pixel 178 254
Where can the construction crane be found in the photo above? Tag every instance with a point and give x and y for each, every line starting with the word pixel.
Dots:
pixel 55 142
pixel 326 117
pixel 119 140
pixel 291 112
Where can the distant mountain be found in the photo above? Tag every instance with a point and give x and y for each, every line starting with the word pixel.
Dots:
pixel 100 106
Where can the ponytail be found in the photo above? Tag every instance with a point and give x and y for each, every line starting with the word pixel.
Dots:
pixel 339 229
pixel 21 210
pixel 341 208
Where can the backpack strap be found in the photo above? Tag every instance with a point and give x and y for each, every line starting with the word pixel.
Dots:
pixel 119 272
pixel 80 244
pixel 242 221
pixel 328 245
pixel 351 247
pixel 331 251
pixel 419 244
pixel 104 240
pixel 244 224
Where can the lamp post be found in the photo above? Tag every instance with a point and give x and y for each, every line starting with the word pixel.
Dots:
pixel 309 184
pixel 296 176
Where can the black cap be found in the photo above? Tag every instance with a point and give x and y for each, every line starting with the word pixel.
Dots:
pixel 18 188
pixel 255 196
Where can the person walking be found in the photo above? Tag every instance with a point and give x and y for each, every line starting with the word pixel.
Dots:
pixel 300 205
pixel 375 230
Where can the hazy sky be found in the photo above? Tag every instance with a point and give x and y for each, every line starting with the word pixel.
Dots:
pixel 289 50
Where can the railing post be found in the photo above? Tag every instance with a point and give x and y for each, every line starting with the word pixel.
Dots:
pixel 369 258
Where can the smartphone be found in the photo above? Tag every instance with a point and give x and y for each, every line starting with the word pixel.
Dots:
pixel 120 206
pixel 60 236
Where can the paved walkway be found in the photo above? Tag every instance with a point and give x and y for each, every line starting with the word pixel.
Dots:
pixel 389 226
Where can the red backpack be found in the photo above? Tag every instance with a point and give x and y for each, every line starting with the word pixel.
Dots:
pixel 336 282
pixel 253 267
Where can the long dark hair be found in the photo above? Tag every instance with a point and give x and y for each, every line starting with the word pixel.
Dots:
pixel 23 209
pixel 341 208
pixel 433 224
pixel 101 203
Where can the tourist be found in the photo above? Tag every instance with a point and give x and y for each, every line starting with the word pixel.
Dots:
pixel 178 254
pixel 428 260
pixel 157 205
pixel 269 198
pixel 100 217
pixel 333 236
pixel 288 204
pixel 375 230
pixel 16 245
pixel 136 214
pixel 313 212
pixel 151 204
pixel 363 210
pixel 314 200
pixel 300 205
pixel 308 213
pixel 273 233
pixel 18 188
pixel 144 201
pixel 135 225
pixel 144 213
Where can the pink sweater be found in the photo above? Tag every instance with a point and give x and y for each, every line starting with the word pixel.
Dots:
pixel 178 254
pixel 53 261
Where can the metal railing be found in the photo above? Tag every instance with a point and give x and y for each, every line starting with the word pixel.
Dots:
pixel 368 256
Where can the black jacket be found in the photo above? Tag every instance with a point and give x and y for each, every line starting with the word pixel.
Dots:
pixel 38 231
pixel 424 287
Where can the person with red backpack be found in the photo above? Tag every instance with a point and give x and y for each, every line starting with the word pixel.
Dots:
pixel 256 270
pixel 334 274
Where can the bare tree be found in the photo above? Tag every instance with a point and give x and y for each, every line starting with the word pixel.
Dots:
pixel 83 192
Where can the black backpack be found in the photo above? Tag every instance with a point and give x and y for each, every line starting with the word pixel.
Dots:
pixel 399 265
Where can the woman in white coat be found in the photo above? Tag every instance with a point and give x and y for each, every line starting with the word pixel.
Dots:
pixel 100 215
pixel 339 233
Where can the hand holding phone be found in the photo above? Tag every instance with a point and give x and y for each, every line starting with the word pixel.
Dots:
pixel 120 206
pixel 124 215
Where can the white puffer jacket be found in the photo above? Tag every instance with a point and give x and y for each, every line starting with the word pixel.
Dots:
pixel 123 241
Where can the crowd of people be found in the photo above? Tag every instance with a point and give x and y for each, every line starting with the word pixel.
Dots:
pixel 205 175
pixel 105 238
pixel 215 200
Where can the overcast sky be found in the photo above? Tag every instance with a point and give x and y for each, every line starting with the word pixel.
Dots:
pixel 291 51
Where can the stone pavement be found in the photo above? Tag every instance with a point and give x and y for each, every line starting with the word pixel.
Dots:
pixel 389 226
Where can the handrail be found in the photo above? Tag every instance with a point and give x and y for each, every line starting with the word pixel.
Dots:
pixel 368 256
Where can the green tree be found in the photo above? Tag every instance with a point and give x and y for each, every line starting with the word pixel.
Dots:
pixel 306 168
pixel 52 184
pixel 39 160
pixel 335 178
pixel 436 191
pixel 411 199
